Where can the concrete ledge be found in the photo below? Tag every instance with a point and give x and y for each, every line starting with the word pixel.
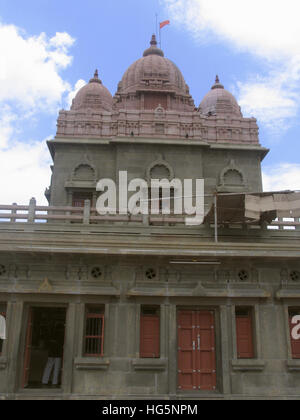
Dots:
pixel 149 364
pixel 244 365
pixel 91 363
pixel 288 293
pixel 293 365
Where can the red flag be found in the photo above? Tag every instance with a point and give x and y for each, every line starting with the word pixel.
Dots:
pixel 164 23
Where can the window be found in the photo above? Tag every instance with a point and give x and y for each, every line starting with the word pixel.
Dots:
pixel 2 313
pixel 79 198
pixel 295 343
pixel 150 332
pixel 244 333
pixel 164 200
pixel 94 332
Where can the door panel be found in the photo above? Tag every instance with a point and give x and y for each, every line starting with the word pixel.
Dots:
pixel 186 353
pixel 196 350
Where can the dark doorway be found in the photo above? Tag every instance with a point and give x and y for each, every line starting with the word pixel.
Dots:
pixel 44 347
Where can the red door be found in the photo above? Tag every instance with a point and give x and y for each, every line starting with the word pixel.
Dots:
pixel 149 336
pixel 196 351
pixel 244 335
pixel 27 349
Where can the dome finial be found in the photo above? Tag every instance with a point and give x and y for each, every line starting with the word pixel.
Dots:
pixel 153 41
pixel 217 84
pixel 95 79
pixel 153 50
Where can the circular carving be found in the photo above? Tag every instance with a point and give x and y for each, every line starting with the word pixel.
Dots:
pixel 243 275
pixel 150 274
pixel 2 269
pixel 295 275
pixel 96 272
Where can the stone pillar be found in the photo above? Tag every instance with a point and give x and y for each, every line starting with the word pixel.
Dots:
pixel 225 349
pixel 31 210
pixel 172 351
pixel 69 347
pixel 15 353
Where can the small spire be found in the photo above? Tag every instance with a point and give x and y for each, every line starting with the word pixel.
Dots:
pixel 153 41
pixel 217 84
pixel 153 50
pixel 95 79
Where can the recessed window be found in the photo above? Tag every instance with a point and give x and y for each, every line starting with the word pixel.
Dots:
pixel 94 331
pixel 150 332
pixel 79 198
pixel 244 333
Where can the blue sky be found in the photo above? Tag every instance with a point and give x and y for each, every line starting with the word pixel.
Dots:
pixel 48 48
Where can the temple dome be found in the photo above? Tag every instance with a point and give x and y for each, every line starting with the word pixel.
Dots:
pixel 93 96
pixel 219 101
pixel 153 73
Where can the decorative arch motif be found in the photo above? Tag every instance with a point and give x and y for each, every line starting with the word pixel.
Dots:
pixel 159 169
pixel 232 178
pixel 84 171
pixel 159 112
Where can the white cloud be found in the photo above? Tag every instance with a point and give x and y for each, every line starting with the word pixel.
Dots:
pixel 79 84
pixel 284 176
pixel 7 120
pixel 29 68
pixel 24 173
pixel 30 85
pixel 267 29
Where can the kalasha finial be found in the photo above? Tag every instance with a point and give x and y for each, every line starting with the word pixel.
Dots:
pixel 153 41
pixel 95 79
pixel 217 84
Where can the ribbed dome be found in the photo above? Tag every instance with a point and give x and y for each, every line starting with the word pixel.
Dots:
pixel 153 67
pixel 219 101
pixel 93 95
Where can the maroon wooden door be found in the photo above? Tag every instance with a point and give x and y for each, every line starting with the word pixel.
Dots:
pixel 196 351
pixel 28 344
pixel 149 336
pixel 244 335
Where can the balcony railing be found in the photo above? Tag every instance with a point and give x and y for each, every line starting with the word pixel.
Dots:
pixel 86 215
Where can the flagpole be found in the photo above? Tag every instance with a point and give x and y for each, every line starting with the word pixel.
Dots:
pixel 156 25
pixel 159 37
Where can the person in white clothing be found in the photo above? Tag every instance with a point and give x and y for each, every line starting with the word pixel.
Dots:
pixel 2 328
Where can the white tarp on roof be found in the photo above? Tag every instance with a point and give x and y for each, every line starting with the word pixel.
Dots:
pixel 284 204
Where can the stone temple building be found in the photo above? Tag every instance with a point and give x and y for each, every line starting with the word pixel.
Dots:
pixel 147 306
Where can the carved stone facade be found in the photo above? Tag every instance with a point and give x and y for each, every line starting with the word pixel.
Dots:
pixel 123 274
